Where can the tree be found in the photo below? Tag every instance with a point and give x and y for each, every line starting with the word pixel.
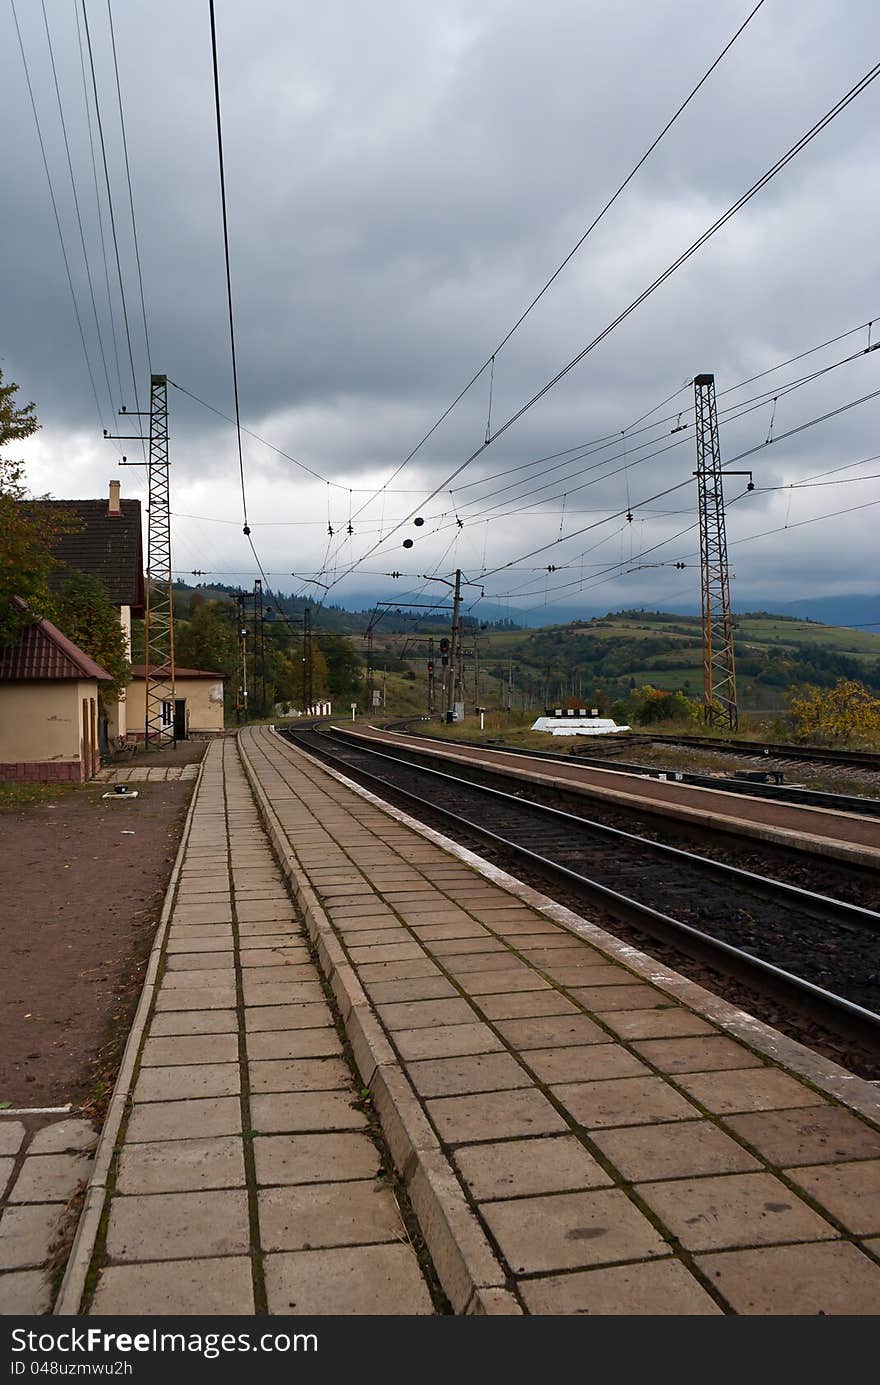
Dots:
pixel 28 533
pixel 83 611
pixel 845 713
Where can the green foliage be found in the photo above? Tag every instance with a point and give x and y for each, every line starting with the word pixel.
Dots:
pixel 83 611
pixel 646 706
pixel 28 533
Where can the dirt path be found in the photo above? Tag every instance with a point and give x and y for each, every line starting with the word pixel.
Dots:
pixel 81 888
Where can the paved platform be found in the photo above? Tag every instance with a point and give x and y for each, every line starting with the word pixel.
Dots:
pixel 823 831
pixel 622 1143
pixel 246 1178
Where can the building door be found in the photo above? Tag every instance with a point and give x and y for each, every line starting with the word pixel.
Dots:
pixel 180 719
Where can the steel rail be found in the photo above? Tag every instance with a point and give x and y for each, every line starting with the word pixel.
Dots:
pixel 837 1010
pixel 794 796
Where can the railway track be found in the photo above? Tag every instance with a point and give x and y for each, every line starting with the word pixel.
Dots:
pixel 815 953
pixel 854 759
pixel 788 793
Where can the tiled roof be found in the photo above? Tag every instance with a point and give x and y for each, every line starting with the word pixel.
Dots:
pixel 42 652
pixel 140 671
pixel 108 546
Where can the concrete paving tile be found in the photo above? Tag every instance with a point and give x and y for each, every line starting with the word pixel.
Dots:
pixel 467 966
pixel 850 1192
pixel 526 1005
pixel 485 1072
pixel 314 1158
pixel 328 1214
pixel 59 1137
pixel 186 998
pixel 385 952
pixel 184 1288
pixel 419 988
pixel 292 1112
pixel 828 1279
pixel 206 977
pixel 702 1053
pixel 669 1022
pixel 181 1081
pixel 202 913
pixel 188 946
pixel 25 1293
pixel 377 937
pixel 569 1230
pixel 685 1149
pixel 552 942
pixel 263 1018
pixel 424 1014
pixel 50 1177
pixel 195 1048
pixel 178 1226
pixel 295 1043
pixel 494 1116
pixel 378 1280
pixel 299 1075
pixel 278 970
pixel 257 992
pixel 11 1137
pixel 177 1166
pixel 589 1063
pixel 502 982
pixel 653 1288
pixel 753 1089
pixel 397 971
pixel 464 931
pixel 810 1135
pixel 738 1209
pixel 551 1031
pixel 26 1235
pixel 521 1168
pixel 584 974
pixel 635 997
pixel 184 1120
pixel 193 1022
pixel 511 926
pixel 623 1101
pixel 457 950
pixel 447 1041
pixel 270 950
pixel 282 928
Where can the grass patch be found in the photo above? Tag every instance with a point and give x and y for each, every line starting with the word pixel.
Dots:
pixel 14 796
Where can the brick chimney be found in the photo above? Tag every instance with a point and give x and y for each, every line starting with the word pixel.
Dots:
pixel 114 508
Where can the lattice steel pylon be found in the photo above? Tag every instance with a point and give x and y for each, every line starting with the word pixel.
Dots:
pixel 159 624
pixel 719 666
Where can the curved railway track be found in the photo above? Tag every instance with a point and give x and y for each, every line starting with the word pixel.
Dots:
pixel 815 953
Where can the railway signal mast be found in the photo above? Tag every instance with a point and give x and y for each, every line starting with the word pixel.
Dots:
pixel 719 665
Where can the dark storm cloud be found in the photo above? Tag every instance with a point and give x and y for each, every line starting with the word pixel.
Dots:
pixel 401 180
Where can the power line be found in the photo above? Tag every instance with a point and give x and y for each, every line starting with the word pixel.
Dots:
pixel 839 106
pixel 85 14
pixel 595 222
pixel 76 199
pixel 79 324
pixel 137 253
pixel 228 270
pixel 100 214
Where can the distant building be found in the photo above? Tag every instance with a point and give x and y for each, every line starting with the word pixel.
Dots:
pixel 48 707
pixel 198 702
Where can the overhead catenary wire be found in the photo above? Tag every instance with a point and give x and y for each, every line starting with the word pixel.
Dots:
pixel 576 247
pixel 137 252
pixel 85 14
pixel 64 254
pixel 226 257
pixel 76 205
pixel 777 167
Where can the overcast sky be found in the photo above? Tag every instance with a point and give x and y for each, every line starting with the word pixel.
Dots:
pixel 402 179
